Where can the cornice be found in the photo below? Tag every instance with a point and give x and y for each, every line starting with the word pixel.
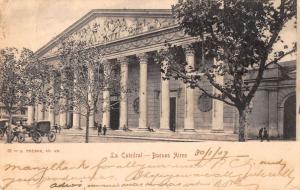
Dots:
pixel 129 39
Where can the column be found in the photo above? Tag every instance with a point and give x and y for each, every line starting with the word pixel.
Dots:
pixel 51 117
pixel 36 117
pixel 62 111
pixel 123 98
pixel 51 114
pixel 90 97
pixel 165 101
pixel 40 112
pixel 76 108
pixel 106 108
pixel 189 124
pixel 76 118
pixel 143 59
pixel 30 114
pixel 217 108
pixel 63 114
pixel 106 96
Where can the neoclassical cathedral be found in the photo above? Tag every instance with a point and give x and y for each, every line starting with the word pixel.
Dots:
pixel 129 37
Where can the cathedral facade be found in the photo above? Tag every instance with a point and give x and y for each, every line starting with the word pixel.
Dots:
pixel 129 37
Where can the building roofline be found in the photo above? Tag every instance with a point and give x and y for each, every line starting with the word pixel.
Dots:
pixel 104 12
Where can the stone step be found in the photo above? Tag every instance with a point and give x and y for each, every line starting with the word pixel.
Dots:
pixel 159 135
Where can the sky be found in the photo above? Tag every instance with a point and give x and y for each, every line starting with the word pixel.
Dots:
pixel 33 23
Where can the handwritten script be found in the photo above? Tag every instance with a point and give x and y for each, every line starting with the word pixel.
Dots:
pixel 209 168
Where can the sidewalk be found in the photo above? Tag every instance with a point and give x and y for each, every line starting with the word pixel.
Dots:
pixel 156 136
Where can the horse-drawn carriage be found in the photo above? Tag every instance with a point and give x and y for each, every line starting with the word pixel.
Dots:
pixel 14 133
pixel 36 131
pixel 3 126
pixel 40 129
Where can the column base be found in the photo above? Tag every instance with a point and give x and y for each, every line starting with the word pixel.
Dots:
pixel 217 131
pixel 141 129
pixel 189 130
pixel 77 128
pixel 273 132
pixel 165 130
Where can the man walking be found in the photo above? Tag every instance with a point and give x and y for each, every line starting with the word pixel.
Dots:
pixel 99 129
pixel 260 134
pixel 263 134
pixel 104 130
pixel 266 134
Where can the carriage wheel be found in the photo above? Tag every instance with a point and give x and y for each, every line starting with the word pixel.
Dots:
pixel 1 133
pixel 36 137
pixel 51 136
pixel 21 137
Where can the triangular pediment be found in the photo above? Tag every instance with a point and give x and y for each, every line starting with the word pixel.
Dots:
pixel 104 26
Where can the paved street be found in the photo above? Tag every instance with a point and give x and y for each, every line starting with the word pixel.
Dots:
pixel 62 138
pixel 65 137
pixel 78 136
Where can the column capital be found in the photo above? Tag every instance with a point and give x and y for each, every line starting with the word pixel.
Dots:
pixel 142 57
pixel 105 61
pixel 91 67
pixel 189 49
pixel 106 67
pixel 165 67
pixel 123 60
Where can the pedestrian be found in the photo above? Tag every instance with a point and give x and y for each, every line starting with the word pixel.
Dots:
pixel 57 128
pixel 149 128
pixel 95 125
pixel 260 134
pixel 263 134
pixel 104 129
pixel 266 134
pixel 99 129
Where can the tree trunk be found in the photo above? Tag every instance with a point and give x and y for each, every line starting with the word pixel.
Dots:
pixel 243 124
pixel 9 130
pixel 87 127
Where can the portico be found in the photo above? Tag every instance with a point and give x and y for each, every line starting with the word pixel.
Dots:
pixel 144 100
pixel 154 96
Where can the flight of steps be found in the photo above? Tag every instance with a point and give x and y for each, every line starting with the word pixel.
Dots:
pixel 157 135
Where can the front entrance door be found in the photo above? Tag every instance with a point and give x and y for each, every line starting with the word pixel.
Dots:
pixel 289 130
pixel 173 114
pixel 114 114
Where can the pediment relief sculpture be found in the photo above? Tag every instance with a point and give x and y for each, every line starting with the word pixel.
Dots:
pixel 112 28
pixel 105 29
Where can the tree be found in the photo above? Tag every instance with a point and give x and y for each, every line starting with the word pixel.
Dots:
pixel 84 75
pixel 12 82
pixel 240 36
pixel 37 75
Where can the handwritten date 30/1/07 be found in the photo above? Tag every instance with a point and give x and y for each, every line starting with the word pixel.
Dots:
pixel 205 168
